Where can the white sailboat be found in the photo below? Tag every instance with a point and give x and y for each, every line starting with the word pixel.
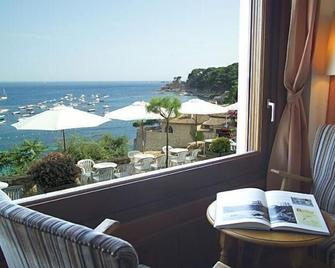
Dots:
pixel 4 96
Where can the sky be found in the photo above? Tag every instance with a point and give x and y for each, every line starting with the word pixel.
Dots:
pixel 115 40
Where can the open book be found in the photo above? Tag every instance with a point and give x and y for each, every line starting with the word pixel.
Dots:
pixel 253 208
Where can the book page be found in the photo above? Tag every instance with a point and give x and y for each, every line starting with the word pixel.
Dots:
pixel 290 210
pixel 243 207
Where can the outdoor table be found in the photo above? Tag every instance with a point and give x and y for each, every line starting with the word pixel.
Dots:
pixel 177 150
pixel 3 185
pixel 104 165
pixel 294 243
pixel 140 156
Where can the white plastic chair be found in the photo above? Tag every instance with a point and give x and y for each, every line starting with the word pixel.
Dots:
pixel 131 155
pixel 160 162
pixel 179 159
pixel 84 177
pixel 103 174
pixel 193 156
pixel 143 164
pixel 86 164
pixel 124 170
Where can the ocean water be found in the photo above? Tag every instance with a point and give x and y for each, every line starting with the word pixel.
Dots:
pixel 120 94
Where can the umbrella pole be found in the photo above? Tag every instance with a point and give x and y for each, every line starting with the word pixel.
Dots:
pixel 142 134
pixel 63 131
pixel 196 130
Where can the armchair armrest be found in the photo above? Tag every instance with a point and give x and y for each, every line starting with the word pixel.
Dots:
pixel 108 226
pixel 289 176
pixel 220 265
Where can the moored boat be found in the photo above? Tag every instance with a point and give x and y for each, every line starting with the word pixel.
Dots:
pixel 4 96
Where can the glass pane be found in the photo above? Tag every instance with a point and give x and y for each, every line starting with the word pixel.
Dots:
pixel 171 75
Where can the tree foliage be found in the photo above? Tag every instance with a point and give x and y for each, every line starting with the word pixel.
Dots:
pixel 17 160
pixel 167 107
pixel 215 80
pixel 105 148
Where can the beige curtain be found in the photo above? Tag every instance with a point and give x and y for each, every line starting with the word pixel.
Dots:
pixel 290 149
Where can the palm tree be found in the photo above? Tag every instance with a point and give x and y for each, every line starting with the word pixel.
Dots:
pixel 167 107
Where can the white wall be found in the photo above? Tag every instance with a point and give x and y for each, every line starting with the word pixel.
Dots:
pixel 320 81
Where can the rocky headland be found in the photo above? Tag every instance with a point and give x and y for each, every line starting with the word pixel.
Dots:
pixel 214 83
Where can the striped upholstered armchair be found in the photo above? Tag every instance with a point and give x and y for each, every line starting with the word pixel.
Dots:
pixel 32 239
pixel 323 183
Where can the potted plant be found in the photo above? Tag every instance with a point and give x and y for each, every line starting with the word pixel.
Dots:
pixel 220 146
pixel 55 171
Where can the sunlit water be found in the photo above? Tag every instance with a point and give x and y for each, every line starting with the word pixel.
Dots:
pixel 119 94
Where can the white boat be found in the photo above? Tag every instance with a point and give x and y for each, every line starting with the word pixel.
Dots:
pixel 2 122
pixel 2 117
pixel 26 115
pixel 2 111
pixel 16 112
pixel 106 106
pixel 91 110
pixel 22 107
pixel 4 96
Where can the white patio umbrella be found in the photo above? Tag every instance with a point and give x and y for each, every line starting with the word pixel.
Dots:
pixel 197 106
pixel 60 118
pixel 133 112
pixel 230 107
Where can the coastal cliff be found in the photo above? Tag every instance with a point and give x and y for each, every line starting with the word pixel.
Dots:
pixel 218 83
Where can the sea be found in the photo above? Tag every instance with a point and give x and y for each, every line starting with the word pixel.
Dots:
pixel 39 96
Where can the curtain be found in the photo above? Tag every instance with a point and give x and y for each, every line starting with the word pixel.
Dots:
pixel 290 149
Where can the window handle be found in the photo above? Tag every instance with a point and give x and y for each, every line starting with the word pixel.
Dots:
pixel 271 105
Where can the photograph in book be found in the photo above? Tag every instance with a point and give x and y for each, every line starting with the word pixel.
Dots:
pixel 302 201
pixel 308 217
pixel 255 209
pixel 252 208
pixel 282 212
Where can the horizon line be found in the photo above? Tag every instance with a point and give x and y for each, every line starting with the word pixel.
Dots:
pixel 81 81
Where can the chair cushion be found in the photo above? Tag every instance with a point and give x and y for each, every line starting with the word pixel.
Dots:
pixel 3 196
pixel 323 166
pixel 32 239
pixel 325 251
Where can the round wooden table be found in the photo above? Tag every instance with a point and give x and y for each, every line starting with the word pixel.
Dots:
pixel 297 243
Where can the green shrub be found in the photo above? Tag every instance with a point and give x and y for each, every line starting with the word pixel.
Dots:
pixel 220 145
pixel 105 148
pixel 197 136
pixel 17 160
pixel 54 170
pixel 82 148
pixel 114 147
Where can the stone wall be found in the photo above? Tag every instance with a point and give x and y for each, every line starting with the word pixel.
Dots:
pixel 155 139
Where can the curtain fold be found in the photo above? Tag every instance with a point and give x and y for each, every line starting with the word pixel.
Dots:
pixel 290 149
